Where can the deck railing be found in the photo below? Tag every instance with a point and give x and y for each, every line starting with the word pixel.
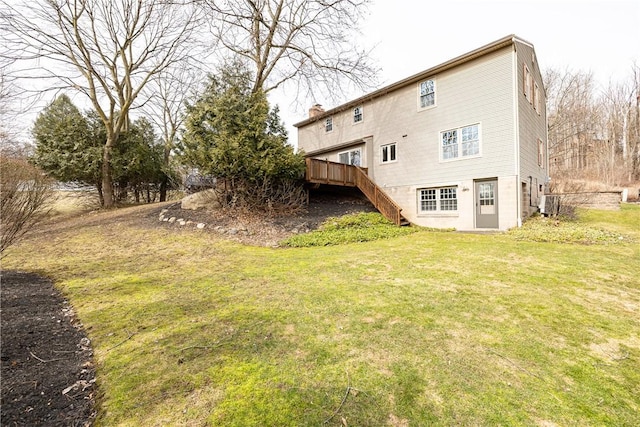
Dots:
pixel 331 173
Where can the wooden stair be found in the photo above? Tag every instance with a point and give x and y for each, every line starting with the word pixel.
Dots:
pixel 332 173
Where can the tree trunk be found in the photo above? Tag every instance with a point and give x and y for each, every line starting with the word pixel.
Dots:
pixel 163 189
pixel 107 181
pixel 164 184
pixel 100 193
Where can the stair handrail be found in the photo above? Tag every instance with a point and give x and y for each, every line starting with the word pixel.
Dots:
pixel 378 197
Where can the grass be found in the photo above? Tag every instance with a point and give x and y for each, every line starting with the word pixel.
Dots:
pixel 423 329
pixel 542 229
pixel 358 227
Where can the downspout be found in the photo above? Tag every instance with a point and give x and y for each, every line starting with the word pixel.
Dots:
pixel 516 134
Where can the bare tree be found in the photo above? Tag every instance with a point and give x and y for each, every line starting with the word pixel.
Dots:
pixel 9 93
pixel 107 50
pixel 168 94
pixel 573 120
pixel 594 134
pixel 614 161
pixel 633 122
pixel 25 193
pixel 311 43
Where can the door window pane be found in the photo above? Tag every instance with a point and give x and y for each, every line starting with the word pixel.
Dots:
pixel 487 199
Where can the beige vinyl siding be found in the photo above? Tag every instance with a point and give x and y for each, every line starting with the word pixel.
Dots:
pixel 478 92
pixel 486 90
pixel 532 127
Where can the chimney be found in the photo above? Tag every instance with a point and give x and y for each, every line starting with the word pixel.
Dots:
pixel 316 110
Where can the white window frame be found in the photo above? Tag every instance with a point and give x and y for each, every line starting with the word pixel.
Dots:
pixel 358 114
pixel 536 97
pixel 438 200
pixel 540 153
pixel 390 151
pixel 421 94
pixel 328 124
pixel 527 84
pixel 456 143
pixel 352 157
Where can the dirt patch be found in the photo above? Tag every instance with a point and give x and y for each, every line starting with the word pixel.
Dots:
pixel 259 228
pixel 47 370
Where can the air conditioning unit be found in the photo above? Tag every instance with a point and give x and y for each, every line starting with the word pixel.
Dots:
pixel 549 204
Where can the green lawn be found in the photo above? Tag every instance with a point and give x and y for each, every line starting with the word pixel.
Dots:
pixel 426 329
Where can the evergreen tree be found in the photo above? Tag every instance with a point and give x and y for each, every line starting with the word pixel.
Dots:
pixel 232 134
pixel 69 148
pixel 65 145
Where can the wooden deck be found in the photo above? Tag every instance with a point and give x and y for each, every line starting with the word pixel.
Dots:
pixel 332 173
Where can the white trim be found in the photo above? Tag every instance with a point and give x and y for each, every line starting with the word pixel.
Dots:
pixel 516 132
pixel 353 117
pixel 435 94
pixel 459 143
pixel 438 201
pixel 382 147
pixel 359 150
pixel 326 121
pixel 527 80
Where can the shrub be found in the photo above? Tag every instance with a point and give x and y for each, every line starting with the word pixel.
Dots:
pixel 361 227
pixel 25 193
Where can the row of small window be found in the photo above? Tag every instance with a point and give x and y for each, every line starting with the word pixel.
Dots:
pixel 352 157
pixel 456 143
pixel 453 147
pixel 531 89
pixel 358 116
pixel 427 99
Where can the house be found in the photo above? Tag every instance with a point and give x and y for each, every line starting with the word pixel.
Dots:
pixel 461 145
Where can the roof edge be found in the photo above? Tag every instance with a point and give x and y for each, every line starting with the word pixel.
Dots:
pixel 459 60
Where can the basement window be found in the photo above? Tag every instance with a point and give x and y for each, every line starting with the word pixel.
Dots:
pixel 434 200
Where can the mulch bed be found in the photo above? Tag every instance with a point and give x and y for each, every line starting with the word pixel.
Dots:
pixel 47 370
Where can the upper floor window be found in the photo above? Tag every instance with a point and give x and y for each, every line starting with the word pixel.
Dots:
pixel 357 114
pixel 527 83
pixel 389 153
pixel 536 97
pixel 427 93
pixel 461 142
pixel 328 124
pixel 540 153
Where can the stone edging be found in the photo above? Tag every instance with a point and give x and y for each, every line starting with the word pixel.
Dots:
pixel 201 225
pixel 179 221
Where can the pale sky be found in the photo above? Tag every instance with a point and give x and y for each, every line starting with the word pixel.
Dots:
pixel 601 36
pixel 409 36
